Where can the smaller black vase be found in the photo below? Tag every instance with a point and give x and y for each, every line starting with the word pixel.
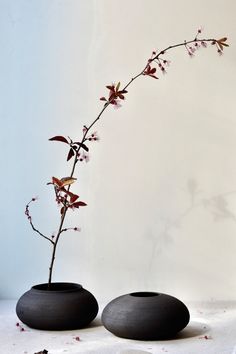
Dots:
pixel 65 306
pixel 145 316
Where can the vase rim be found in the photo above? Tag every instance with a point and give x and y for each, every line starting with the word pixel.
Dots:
pixel 59 287
pixel 142 294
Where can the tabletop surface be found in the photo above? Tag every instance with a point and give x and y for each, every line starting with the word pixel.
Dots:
pixel 212 330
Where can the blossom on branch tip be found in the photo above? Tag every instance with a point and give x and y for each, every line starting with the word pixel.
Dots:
pixel 78 229
pixel 199 31
pixel 166 62
pixel 27 212
pixel 93 137
pixel 115 95
pixel 83 157
pixel 190 50
pixel 85 129
pixel 34 199
pixel 117 104
pixel 220 44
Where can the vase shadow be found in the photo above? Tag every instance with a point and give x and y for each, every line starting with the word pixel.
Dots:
pixel 95 323
pixel 194 329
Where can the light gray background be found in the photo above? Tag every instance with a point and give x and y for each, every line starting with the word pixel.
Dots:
pixel 161 183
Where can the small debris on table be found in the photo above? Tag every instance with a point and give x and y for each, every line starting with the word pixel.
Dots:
pixel 205 337
pixel 21 328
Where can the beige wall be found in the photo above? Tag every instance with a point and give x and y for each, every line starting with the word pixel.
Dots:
pixel 161 183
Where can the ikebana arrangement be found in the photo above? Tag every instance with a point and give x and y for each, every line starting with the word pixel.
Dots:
pixel 80 307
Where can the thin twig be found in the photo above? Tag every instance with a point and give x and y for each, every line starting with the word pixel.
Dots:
pixel 108 103
pixel 40 233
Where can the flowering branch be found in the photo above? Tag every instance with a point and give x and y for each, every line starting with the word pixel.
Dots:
pixel 27 213
pixel 79 150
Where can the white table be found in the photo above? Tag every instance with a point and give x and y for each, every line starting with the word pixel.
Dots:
pixel 212 330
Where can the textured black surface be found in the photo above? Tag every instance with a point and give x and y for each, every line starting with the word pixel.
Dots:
pixel 66 306
pixel 145 316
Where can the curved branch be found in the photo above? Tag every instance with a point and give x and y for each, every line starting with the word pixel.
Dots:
pixel 40 233
pixel 108 103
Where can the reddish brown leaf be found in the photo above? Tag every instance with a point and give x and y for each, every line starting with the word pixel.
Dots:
pixel 220 45
pixel 73 198
pixel 59 138
pixel 79 204
pixel 68 192
pixel 112 88
pixel 83 146
pixel 66 181
pixel 57 182
pixel 118 86
pixel 70 154
pixel 221 42
pixel 62 210
pixel 224 39
pixel 152 71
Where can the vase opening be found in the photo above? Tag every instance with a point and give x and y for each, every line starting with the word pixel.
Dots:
pixel 58 287
pixel 144 294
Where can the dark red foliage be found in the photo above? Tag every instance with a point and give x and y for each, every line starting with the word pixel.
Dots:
pixel 74 146
pixel 78 204
pixel 70 154
pixel 73 198
pixel 64 197
pixel 115 94
pixel 59 138
pixel 83 146
pixel 150 71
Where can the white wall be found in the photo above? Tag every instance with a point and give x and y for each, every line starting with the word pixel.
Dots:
pixel 161 183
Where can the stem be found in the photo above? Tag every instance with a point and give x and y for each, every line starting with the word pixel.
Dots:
pixel 141 73
pixel 27 213
pixel 55 247
pixel 40 233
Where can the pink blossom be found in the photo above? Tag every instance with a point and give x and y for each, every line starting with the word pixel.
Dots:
pixel 86 157
pixel 203 44
pixel 118 104
pixel 93 137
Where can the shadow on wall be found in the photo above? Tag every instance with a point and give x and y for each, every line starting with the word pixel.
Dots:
pixel 217 205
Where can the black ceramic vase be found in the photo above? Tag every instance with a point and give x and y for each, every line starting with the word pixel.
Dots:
pixel 65 306
pixel 145 316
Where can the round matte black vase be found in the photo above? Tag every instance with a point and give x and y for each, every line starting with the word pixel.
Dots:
pixel 145 316
pixel 65 306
